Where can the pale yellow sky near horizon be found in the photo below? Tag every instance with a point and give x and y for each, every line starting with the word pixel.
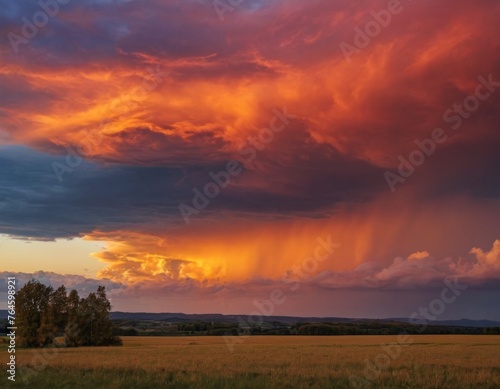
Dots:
pixel 30 256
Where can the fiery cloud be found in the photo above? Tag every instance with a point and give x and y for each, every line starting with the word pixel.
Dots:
pixel 116 113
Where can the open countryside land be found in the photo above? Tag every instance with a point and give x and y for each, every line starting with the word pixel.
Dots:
pixel 250 194
pixel 417 361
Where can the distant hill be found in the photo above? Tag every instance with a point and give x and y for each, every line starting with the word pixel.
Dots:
pixel 217 317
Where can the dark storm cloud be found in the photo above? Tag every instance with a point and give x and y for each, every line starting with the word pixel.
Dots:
pixel 465 167
pixel 35 204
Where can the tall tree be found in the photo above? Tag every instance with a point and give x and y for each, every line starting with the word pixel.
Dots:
pixel 59 303
pixel 94 322
pixel 33 309
pixel 72 331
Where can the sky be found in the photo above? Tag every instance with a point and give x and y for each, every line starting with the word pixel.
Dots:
pixel 305 158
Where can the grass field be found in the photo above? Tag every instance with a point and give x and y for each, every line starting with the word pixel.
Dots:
pixel 429 361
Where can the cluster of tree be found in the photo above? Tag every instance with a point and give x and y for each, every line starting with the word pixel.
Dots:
pixel 395 328
pixel 117 331
pixel 198 328
pixel 491 330
pixel 44 314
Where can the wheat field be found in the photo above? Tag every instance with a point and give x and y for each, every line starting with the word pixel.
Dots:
pixel 424 361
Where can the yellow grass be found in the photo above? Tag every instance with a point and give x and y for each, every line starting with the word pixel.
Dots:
pixel 430 361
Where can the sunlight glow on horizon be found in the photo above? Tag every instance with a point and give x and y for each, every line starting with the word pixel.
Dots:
pixel 66 256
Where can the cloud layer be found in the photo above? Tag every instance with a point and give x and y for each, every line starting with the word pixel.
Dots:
pixel 115 113
pixel 392 291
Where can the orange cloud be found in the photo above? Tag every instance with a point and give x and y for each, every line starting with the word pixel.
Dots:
pixel 230 95
pixel 418 255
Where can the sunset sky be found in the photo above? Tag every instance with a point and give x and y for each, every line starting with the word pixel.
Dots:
pixel 194 156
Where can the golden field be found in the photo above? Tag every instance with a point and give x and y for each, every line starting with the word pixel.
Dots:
pixel 422 361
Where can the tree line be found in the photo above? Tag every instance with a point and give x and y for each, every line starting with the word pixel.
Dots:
pixel 44 313
pixel 216 328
